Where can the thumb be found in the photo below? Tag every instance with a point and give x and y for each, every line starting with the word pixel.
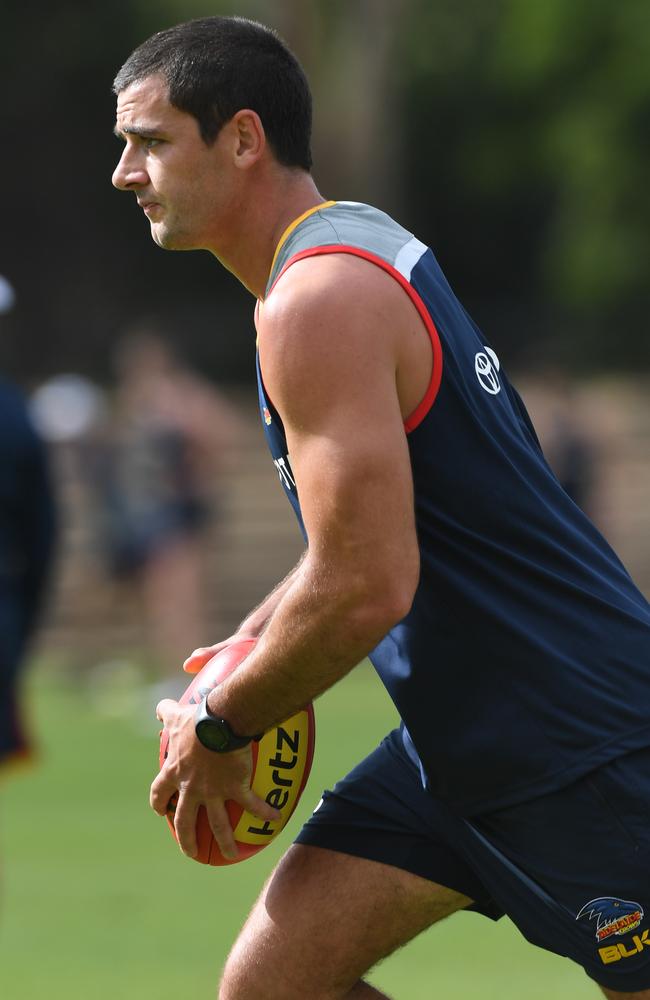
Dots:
pixel 164 708
pixel 198 659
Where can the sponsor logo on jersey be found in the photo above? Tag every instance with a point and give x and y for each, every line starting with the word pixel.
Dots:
pixel 284 472
pixel 267 416
pixel 612 915
pixel 486 366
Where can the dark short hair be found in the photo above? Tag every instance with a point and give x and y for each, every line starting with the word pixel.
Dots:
pixel 215 66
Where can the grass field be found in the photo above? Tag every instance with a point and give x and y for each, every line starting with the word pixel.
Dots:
pixel 99 903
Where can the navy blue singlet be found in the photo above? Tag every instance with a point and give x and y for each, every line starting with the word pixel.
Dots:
pixel 525 659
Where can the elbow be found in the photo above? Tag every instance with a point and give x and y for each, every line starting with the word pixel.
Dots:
pixel 362 598
pixel 394 605
pixel 384 602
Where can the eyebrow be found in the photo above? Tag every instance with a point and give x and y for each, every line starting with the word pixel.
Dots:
pixel 141 130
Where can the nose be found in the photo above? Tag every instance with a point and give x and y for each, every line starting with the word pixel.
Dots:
pixel 129 172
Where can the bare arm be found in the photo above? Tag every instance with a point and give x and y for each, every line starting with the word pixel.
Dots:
pixel 333 363
pixel 331 369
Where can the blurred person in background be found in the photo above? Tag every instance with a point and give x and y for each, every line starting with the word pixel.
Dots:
pixel 158 469
pixel 512 641
pixel 27 533
pixel 568 443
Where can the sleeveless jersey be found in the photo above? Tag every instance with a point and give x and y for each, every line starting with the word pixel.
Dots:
pixel 525 659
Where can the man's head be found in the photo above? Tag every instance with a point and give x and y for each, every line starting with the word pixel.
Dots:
pixel 215 66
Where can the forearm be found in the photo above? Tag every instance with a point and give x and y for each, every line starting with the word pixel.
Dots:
pixel 255 622
pixel 318 632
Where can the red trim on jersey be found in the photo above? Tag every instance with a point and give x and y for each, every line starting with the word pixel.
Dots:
pixel 427 401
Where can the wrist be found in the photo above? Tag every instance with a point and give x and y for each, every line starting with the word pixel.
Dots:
pixel 215 733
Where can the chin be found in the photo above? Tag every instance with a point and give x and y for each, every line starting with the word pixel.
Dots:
pixel 170 241
pixel 162 239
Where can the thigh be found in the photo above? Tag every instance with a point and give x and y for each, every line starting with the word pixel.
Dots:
pixel 324 919
pixel 381 812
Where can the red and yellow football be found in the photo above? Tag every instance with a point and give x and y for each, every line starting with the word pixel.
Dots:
pixel 281 764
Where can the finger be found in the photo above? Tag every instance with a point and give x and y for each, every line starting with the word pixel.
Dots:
pixel 198 659
pixel 185 818
pixel 222 830
pixel 161 791
pixel 259 807
pixel 164 708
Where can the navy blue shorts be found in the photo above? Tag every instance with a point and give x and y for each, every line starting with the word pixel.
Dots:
pixel 571 869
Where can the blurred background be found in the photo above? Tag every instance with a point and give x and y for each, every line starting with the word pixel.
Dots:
pixel 513 136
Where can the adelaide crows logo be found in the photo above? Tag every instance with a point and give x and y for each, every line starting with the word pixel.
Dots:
pixel 613 916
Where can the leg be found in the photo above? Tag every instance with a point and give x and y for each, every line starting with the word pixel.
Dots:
pixel 323 920
pixel 173 601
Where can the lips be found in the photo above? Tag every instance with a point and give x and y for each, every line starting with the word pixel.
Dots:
pixel 148 206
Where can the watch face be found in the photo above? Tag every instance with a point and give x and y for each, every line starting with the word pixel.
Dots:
pixel 212 735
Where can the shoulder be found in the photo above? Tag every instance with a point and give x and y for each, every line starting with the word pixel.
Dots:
pixel 322 311
pixel 314 277
pixel 330 334
pixel 341 297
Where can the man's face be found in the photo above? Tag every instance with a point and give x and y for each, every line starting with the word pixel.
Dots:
pixel 180 183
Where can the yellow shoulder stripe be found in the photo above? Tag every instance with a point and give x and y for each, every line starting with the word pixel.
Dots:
pixel 293 225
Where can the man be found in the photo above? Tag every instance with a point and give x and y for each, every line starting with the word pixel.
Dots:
pixel 27 535
pixel 509 636
pixel 154 477
pixel 26 546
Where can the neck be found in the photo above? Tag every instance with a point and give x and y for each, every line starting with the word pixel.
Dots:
pixel 261 219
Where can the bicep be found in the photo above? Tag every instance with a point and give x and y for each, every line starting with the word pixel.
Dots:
pixel 353 475
pixel 332 377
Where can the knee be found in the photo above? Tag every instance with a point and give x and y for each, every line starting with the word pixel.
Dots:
pixel 236 979
pixel 251 974
pixel 244 976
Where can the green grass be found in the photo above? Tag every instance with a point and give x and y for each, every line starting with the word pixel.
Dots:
pixel 99 903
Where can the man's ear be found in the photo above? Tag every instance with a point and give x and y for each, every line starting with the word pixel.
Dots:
pixel 249 138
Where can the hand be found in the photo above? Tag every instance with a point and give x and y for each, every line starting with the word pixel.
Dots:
pixel 203 778
pixel 198 659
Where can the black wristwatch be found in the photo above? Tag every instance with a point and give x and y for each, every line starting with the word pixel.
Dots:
pixel 215 733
